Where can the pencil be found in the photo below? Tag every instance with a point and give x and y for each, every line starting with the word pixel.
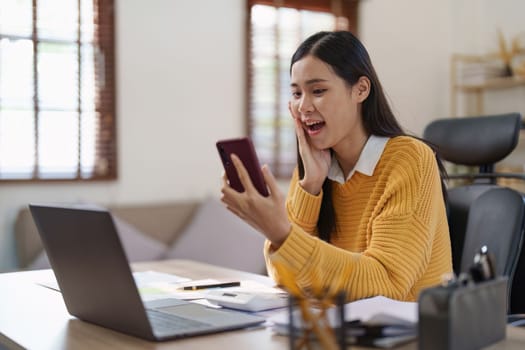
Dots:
pixel 213 285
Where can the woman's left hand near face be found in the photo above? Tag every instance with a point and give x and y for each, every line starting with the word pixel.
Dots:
pixel 265 214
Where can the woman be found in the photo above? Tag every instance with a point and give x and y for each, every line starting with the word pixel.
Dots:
pixel 365 211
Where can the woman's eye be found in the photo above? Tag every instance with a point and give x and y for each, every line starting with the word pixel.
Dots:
pixel 296 94
pixel 319 91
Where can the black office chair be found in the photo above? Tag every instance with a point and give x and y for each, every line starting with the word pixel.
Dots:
pixel 472 141
pixel 497 220
pixel 482 142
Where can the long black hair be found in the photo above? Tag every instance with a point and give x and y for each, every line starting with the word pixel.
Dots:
pixel 347 56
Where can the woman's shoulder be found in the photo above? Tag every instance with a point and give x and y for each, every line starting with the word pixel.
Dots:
pixel 409 144
pixel 409 148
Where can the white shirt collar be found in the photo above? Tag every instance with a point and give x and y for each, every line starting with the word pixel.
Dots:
pixel 366 163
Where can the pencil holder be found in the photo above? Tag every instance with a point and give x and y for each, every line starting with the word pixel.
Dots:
pixel 313 320
pixel 315 326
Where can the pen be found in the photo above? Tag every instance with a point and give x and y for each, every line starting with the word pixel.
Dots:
pixel 213 285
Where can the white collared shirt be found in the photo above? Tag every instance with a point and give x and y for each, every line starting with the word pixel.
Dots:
pixel 366 163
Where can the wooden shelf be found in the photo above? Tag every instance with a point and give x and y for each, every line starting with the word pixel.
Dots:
pixel 492 84
pixel 475 75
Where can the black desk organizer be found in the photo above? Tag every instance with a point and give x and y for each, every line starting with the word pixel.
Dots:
pixel 463 316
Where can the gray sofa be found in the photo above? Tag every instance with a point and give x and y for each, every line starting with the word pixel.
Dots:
pixel 202 230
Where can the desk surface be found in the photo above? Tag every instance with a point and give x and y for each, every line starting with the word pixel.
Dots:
pixel 35 317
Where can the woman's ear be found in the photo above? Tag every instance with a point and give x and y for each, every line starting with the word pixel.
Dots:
pixel 363 88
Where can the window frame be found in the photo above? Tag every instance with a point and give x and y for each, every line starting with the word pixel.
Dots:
pixel 347 9
pixel 105 104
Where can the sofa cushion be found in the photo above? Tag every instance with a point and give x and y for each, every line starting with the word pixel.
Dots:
pixel 137 245
pixel 160 221
pixel 217 236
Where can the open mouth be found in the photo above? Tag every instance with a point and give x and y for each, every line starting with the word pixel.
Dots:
pixel 314 126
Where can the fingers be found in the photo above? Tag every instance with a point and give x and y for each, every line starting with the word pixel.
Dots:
pixel 225 181
pixel 235 211
pixel 271 182
pixel 227 190
pixel 244 177
pixel 290 108
pixel 229 195
pixel 297 120
pixel 298 127
pixel 299 131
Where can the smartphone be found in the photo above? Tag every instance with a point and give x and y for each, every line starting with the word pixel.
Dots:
pixel 243 148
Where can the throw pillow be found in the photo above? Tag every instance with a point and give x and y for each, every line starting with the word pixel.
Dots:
pixel 138 245
pixel 216 236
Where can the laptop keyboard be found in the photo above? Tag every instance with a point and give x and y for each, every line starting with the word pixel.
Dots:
pixel 164 323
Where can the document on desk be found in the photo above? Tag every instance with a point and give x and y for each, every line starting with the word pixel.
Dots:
pixel 167 289
pixel 151 285
pixel 156 285
pixel 378 321
pixel 202 289
pixel 147 277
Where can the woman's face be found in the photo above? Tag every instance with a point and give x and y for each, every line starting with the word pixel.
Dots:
pixel 329 109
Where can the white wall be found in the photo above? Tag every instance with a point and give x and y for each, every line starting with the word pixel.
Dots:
pixel 181 79
pixel 476 24
pixel 409 43
pixel 181 87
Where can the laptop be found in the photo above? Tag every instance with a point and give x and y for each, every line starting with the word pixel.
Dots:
pixel 97 284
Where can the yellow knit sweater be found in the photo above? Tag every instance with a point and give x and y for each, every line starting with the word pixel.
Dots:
pixel 391 236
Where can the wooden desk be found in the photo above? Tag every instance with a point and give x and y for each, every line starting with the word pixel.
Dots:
pixel 35 317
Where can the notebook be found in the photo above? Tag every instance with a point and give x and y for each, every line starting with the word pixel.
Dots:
pixel 97 284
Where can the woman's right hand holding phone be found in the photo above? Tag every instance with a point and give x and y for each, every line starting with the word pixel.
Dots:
pixel 316 161
pixel 266 214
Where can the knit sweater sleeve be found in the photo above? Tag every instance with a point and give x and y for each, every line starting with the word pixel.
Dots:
pixel 303 212
pixel 399 243
pixel 303 207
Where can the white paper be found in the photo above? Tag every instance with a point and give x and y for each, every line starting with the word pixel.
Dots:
pixel 382 310
pixel 376 310
pixel 147 277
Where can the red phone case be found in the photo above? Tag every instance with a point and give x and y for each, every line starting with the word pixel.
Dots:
pixel 243 148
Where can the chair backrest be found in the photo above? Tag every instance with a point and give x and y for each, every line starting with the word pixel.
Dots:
pixel 475 141
pixel 459 202
pixel 496 220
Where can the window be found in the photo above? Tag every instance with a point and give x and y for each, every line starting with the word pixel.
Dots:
pixel 276 29
pixel 57 91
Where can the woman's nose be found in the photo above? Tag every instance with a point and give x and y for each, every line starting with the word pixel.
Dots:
pixel 305 105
